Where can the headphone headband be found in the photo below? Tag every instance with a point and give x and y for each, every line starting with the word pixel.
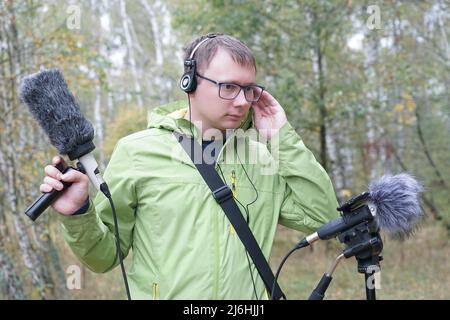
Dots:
pixel 199 44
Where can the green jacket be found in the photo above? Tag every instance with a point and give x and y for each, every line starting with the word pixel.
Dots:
pixel 183 244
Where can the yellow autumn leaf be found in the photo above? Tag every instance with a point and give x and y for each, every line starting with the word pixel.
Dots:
pixel 410 120
pixel 398 108
pixel 346 193
pixel 410 105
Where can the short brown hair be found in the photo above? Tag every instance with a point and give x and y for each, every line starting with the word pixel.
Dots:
pixel 239 52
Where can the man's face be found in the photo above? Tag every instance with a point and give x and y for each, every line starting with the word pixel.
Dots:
pixel 208 107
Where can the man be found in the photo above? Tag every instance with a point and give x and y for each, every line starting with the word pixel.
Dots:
pixel 183 245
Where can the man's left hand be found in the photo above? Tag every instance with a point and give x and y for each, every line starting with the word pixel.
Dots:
pixel 269 117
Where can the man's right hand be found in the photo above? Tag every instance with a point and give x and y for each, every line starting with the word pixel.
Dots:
pixel 75 196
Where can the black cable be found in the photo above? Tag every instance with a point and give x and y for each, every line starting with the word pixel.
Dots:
pixel 302 244
pixel 254 188
pixel 246 252
pixel 279 270
pixel 105 190
pixel 250 203
pixel 250 180
pixel 190 120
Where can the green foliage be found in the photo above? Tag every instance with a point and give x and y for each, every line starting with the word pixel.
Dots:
pixel 127 121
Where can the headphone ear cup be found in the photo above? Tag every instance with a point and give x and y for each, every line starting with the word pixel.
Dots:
pixel 185 82
pixel 188 82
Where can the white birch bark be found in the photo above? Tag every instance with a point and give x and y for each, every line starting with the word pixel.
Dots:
pixel 158 46
pixel 131 57
pixel 99 122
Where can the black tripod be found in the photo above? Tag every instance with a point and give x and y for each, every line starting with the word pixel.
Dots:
pixel 370 267
pixel 365 243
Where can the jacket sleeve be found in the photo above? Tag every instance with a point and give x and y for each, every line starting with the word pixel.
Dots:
pixel 91 235
pixel 309 198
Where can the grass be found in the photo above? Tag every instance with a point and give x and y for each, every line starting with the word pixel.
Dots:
pixel 415 269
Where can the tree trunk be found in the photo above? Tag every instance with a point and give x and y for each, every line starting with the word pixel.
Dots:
pixel 13 128
pixel 318 61
pixel 372 98
pixel 98 121
pixel 425 149
pixel 110 100
pixel 130 48
pixel 10 284
pixel 159 54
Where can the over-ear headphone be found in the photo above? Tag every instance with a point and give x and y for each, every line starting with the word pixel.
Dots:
pixel 188 82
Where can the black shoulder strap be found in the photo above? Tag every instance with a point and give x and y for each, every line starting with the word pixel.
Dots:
pixel 224 197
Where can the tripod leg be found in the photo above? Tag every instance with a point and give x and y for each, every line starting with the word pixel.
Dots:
pixel 370 287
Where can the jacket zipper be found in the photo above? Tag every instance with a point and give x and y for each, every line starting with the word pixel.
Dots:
pixel 233 183
pixel 217 262
pixel 155 291
pixel 233 189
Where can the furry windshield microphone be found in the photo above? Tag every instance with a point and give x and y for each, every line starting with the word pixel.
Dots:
pixel 393 201
pixel 54 107
pixel 397 202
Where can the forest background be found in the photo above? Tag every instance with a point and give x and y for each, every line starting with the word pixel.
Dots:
pixel 366 84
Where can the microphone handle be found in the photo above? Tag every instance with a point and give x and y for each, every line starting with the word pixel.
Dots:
pixel 47 198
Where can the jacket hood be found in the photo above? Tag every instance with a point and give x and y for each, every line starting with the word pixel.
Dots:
pixel 171 117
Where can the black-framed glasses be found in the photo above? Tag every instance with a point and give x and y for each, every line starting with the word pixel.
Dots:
pixel 230 91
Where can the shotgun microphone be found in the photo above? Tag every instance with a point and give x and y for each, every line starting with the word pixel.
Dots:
pixel 56 110
pixel 54 107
